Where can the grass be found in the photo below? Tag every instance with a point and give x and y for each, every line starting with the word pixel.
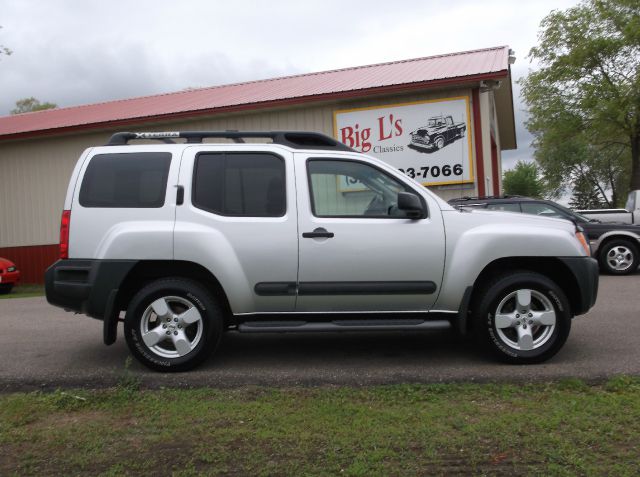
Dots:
pixel 565 428
pixel 24 291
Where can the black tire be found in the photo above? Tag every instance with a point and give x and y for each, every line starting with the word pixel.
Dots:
pixel 179 295
pixel 607 257
pixel 6 288
pixel 544 294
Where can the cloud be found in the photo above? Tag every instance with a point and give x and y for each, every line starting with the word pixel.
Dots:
pixel 70 52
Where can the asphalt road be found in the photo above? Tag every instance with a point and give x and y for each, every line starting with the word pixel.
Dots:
pixel 43 347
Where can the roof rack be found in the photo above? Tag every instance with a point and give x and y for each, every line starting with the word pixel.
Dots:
pixel 486 197
pixel 293 139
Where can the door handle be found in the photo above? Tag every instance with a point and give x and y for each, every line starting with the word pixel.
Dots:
pixel 179 195
pixel 318 233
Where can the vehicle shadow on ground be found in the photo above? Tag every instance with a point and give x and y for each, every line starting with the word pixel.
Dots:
pixel 335 350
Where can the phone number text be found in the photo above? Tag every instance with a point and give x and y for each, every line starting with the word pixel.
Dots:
pixel 433 171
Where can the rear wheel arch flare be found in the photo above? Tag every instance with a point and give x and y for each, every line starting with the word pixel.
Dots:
pixel 147 271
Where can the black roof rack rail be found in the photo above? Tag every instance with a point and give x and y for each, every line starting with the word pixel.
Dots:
pixel 293 139
pixel 487 197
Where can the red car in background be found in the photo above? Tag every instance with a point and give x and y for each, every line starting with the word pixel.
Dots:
pixel 9 275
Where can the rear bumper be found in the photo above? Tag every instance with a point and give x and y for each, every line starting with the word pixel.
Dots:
pixel 86 286
pixel 586 273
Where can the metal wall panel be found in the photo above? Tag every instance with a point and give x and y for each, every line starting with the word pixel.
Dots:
pixel 31 261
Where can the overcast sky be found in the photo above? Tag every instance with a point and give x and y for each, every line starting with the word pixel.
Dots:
pixel 74 52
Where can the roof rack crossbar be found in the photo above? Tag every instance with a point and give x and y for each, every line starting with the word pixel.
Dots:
pixel 293 139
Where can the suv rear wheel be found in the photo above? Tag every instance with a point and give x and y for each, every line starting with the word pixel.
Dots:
pixel 523 317
pixel 173 324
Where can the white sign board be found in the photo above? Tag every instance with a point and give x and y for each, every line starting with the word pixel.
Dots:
pixel 428 140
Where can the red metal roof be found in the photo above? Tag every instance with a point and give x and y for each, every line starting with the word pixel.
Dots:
pixel 394 76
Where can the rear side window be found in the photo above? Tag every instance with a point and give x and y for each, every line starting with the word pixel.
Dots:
pixel 240 184
pixel 127 180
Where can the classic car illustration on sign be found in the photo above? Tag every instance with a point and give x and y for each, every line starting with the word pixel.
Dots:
pixel 424 139
pixel 440 131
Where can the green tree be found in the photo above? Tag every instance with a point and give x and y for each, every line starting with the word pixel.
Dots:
pixel 524 179
pixel 27 105
pixel 584 100
pixel 585 195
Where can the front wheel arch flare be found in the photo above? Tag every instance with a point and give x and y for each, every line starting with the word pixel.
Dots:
pixel 550 267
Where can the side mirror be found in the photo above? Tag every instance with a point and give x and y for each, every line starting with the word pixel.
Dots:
pixel 411 204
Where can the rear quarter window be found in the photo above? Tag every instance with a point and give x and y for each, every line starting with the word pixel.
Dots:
pixel 126 180
pixel 250 184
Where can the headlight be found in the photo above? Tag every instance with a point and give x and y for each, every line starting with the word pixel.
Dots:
pixel 11 269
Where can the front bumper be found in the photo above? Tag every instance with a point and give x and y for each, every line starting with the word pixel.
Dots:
pixel 421 141
pixel 587 275
pixel 9 278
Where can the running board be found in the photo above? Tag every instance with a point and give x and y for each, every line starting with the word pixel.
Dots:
pixel 342 325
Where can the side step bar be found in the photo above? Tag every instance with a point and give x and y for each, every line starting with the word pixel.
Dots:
pixel 342 325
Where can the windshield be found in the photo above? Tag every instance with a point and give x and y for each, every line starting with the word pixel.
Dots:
pixel 581 218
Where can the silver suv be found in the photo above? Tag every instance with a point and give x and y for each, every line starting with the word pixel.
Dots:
pixel 301 233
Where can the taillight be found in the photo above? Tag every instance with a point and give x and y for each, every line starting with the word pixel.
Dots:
pixel 64 234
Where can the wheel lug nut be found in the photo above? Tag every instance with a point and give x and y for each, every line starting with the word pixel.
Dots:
pixel 530 322
pixel 168 332
pixel 518 323
pixel 179 327
pixel 175 332
pixel 530 315
pixel 517 316
pixel 164 326
pixel 175 319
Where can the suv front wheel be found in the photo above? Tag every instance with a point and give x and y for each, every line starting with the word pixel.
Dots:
pixel 523 317
pixel 173 324
pixel 619 257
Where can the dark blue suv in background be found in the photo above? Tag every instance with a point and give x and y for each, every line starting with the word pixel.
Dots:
pixel 616 246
